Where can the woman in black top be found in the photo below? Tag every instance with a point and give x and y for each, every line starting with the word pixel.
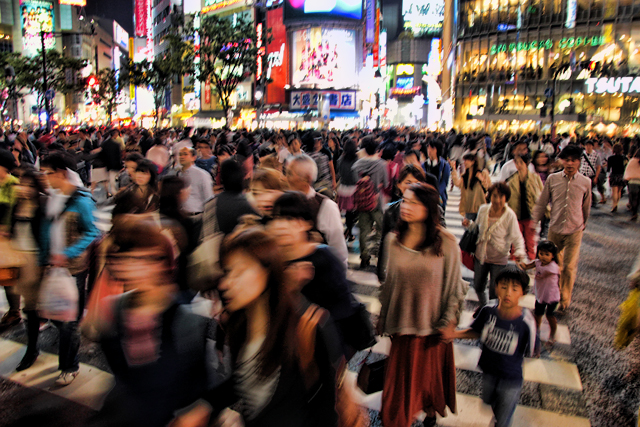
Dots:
pixel 615 167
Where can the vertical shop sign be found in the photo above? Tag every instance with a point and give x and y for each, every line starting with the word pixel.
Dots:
pixel 371 17
pixel 572 9
pixel 141 17
pixel 376 43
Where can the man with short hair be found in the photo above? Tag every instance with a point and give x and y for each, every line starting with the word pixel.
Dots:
pixel 199 182
pixel 569 194
pixel 302 172
pixel 206 160
pixel 438 167
pixel 591 166
pixel 519 149
pixel 373 167
pixel 66 231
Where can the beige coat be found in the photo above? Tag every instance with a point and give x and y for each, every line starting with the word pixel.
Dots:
pixel 472 198
pixel 534 188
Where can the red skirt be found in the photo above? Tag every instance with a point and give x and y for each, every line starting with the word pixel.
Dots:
pixel 420 376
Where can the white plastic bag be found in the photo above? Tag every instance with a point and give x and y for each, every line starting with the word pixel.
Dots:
pixel 59 295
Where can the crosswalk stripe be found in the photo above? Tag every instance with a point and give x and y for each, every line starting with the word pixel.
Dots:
pixel 471 412
pixel 88 389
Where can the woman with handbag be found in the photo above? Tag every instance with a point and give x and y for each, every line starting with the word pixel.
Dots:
pixel 421 295
pixel 473 186
pixel 8 185
pixel 498 231
pixel 25 236
pixel 285 367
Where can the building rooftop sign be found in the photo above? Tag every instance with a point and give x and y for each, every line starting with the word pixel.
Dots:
pixel 613 85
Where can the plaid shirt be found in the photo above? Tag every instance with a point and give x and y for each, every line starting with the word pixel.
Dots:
pixel 585 168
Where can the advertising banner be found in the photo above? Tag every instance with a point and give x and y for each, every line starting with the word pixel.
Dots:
pixel 325 57
pixel 120 36
pixel 423 16
pixel 36 16
pixel 322 9
pixel 344 100
pixel 141 15
pixel 376 41
pixel 277 63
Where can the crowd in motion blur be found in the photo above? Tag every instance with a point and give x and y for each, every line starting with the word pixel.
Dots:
pixel 260 224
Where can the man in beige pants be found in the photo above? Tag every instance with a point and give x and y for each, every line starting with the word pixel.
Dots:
pixel 569 194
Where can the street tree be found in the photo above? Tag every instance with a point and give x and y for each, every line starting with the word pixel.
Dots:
pixel 228 54
pixel 107 90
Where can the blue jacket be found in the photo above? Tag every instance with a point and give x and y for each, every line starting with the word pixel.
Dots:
pixel 80 231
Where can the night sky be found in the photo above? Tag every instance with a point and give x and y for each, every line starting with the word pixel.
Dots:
pixel 120 10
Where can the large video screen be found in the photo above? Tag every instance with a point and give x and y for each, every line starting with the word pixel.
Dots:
pixel 322 9
pixel 423 16
pixel 325 57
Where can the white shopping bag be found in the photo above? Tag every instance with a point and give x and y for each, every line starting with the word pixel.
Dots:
pixel 59 296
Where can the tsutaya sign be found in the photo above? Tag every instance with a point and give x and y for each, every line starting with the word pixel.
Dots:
pixel 613 85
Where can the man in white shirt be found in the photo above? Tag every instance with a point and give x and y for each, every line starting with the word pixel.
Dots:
pixel 302 172
pixel 198 181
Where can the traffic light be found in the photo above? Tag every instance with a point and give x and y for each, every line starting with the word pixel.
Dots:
pixel 92 81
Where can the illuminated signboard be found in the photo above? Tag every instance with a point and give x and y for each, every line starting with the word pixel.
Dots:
pixel 324 57
pixel 613 85
pixel 36 16
pixel 277 58
pixel 261 51
pixel 309 99
pixel 322 9
pixel 120 36
pixel 404 82
pixel 564 43
pixel 423 16
pixel 211 5
pixel 141 15
pixel 74 2
pixel 395 92
pixel 407 69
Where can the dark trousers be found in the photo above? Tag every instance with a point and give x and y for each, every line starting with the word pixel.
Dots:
pixel 634 197
pixel 480 275
pixel 70 333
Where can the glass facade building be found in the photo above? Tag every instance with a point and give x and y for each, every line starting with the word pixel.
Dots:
pixel 533 64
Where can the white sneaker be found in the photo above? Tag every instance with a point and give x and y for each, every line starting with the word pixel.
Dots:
pixel 66 378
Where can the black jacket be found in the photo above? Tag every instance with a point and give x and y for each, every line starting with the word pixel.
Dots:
pixel 111 155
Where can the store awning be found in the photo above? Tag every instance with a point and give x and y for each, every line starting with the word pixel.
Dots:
pixel 210 114
pixel 345 114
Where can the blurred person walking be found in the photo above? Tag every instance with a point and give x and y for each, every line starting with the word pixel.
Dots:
pixel 67 229
pixel 632 176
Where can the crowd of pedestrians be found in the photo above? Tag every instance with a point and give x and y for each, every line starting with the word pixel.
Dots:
pixel 277 212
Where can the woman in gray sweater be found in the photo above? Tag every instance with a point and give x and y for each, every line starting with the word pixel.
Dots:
pixel 421 295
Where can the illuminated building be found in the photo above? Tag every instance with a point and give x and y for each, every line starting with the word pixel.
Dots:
pixel 534 65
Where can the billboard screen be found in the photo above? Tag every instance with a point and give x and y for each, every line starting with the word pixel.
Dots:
pixel 277 63
pixel 322 9
pixel 423 16
pixel 325 57
pixel 36 16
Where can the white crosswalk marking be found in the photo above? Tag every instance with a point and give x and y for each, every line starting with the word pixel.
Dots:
pixel 471 410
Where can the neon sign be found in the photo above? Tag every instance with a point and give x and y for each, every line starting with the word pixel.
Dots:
pixel 396 91
pixel 564 43
pixel 404 69
pixel 613 85
pixel 211 5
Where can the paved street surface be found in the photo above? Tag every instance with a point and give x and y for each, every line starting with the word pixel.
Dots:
pixel 581 382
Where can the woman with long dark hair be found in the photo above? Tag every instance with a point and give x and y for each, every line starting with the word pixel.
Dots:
pixel 269 385
pixel 347 186
pixel 421 295
pixel 473 186
pixel 142 195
